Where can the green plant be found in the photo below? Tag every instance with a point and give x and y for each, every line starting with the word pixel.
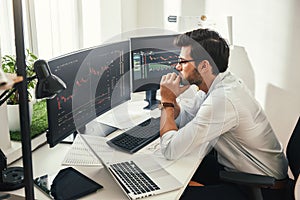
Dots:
pixel 9 66
pixel 39 121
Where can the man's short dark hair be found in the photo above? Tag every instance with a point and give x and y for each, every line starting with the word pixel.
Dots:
pixel 206 45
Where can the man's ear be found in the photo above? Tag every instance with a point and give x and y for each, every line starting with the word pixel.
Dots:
pixel 203 66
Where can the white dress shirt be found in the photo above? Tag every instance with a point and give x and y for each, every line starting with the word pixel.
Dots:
pixel 230 119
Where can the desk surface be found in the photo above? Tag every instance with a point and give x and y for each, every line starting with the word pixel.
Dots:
pixel 49 161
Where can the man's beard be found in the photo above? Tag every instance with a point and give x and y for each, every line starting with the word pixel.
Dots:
pixel 195 78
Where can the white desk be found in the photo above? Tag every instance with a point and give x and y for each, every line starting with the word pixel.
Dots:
pixel 48 161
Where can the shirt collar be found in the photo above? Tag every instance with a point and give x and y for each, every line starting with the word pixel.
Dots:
pixel 217 80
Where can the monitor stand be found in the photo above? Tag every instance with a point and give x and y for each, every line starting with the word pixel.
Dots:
pixel 70 138
pixel 98 129
pixel 151 99
pixel 92 128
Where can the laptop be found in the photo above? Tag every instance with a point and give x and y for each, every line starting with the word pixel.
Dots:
pixel 138 176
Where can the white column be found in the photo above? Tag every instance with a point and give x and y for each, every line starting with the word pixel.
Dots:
pixel 4 131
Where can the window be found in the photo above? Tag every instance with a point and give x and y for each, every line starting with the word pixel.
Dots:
pixel 52 27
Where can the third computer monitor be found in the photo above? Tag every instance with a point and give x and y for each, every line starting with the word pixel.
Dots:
pixel 151 58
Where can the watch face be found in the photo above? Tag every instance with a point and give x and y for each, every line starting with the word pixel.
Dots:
pixel 160 106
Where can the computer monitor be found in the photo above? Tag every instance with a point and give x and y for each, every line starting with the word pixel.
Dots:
pixel 151 58
pixel 92 77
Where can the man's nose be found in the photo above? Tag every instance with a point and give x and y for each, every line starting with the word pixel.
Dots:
pixel 178 67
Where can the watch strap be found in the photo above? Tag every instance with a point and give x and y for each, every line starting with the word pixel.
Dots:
pixel 166 104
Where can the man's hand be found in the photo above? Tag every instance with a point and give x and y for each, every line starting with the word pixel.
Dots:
pixel 169 90
pixel 170 87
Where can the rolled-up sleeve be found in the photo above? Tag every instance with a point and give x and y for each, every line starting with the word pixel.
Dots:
pixel 215 116
pixel 189 108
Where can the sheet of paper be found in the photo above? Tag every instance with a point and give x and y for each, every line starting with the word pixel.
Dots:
pixel 80 154
pixel 102 150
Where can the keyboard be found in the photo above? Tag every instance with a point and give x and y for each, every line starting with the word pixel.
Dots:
pixel 133 177
pixel 137 137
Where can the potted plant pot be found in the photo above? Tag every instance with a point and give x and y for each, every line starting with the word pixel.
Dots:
pixel 14 116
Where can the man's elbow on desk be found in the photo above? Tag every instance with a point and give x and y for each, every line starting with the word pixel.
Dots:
pixel 166 149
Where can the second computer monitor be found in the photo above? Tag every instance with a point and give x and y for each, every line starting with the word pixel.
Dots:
pixel 151 58
pixel 97 80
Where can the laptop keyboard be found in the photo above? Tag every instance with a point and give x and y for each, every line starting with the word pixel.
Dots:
pixel 134 178
pixel 137 137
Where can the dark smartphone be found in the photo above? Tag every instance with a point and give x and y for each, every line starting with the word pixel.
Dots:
pixel 44 183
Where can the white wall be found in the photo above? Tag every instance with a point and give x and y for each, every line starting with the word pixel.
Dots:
pixel 266 33
pixel 268 30
pixel 129 15
pixel 111 19
pixel 150 13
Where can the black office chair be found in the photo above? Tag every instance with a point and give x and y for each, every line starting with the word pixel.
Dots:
pixel 255 182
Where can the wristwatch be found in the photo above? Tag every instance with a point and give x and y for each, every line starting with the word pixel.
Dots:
pixel 165 104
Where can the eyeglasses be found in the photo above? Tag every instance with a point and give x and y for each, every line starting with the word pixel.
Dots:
pixel 180 62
